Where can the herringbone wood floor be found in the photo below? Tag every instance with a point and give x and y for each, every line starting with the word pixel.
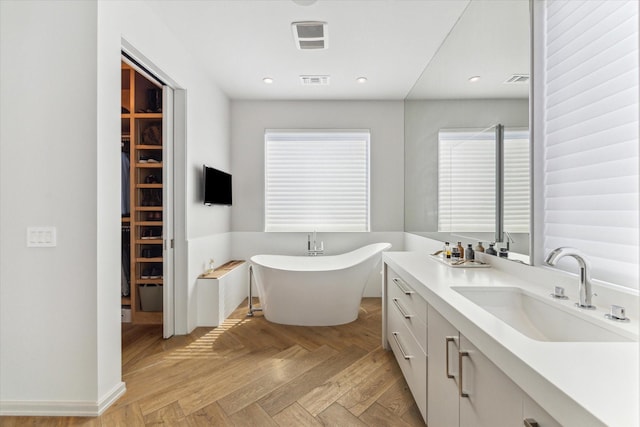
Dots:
pixel 250 372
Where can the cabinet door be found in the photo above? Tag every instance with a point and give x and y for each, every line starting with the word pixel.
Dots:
pixel 488 398
pixel 442 377
pixel 535 414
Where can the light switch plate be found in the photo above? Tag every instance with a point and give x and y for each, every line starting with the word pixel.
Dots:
pixel 41 237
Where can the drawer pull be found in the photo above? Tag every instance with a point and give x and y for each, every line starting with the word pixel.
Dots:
pixel 461 354
pixel 447 341
pixel 404 354
pixel 401 310
pixel 402 286
pixel 530 422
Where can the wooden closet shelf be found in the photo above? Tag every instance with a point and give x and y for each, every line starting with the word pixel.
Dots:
pixel 149 208
pixel 148 147
pixel 148 185
pixel 149 165
pixel 149 223
pixel 148 241
pixel 157 259
pixel 147 116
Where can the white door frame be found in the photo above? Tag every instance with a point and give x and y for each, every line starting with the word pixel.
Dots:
pixel 176 180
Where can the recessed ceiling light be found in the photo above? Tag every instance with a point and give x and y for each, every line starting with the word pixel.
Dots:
pixel 361 79
pixel 474 79
pixel 267 80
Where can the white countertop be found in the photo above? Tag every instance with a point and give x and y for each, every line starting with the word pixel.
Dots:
pixel 578 383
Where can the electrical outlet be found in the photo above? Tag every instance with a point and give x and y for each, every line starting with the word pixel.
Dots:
pixel 41 237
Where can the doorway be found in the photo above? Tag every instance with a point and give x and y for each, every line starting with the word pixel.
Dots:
pixel 147 128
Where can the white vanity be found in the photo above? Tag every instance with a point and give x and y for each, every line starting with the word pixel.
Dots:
pixel 480 347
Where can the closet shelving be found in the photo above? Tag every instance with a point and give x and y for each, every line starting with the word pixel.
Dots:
pixel 141 118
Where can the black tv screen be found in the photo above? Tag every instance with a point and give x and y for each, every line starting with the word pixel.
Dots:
pixel 217 187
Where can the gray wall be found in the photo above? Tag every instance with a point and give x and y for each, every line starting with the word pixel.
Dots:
pixel 249 119
pixel 423 120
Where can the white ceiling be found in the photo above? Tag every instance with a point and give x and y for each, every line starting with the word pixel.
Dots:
pixel 491 40
pixel 239 42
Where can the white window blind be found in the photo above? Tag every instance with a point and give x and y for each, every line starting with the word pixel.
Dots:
pixel 517 181
pixel 467 180
pixel 317 181
pixel 591 135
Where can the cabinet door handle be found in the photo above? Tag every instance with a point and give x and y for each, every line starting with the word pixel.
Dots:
pixel 446 343
pixel 530 422
pixel 404 354
pixel 401 310
pixel 461 354
pixel 402 286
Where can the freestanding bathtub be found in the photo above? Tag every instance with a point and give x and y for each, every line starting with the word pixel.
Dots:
pixel 314 290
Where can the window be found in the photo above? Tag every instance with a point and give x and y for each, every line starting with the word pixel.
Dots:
pixel 467 180
pixel 591 136
pixel 317 180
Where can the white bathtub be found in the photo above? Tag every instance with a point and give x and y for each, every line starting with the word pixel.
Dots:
pixel 315 290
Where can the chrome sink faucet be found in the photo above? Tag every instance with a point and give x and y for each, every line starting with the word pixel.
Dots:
pixel 584 290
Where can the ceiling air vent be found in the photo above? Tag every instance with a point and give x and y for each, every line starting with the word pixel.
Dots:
pixel 517 78
pixel 310 35
pixel 314 80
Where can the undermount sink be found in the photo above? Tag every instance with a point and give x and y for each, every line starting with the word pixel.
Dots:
pixel 537 318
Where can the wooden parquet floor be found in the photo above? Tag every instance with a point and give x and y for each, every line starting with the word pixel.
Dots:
pixel 250 372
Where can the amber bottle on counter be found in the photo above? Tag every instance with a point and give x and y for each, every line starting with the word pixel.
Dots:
pixel 461 250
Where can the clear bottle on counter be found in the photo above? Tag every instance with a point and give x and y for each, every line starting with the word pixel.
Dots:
pixel 461 250
pixel 469 253
pixel 479 247
pixel 491 250
pixel 446 253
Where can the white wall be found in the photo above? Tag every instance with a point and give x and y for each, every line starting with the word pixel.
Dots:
pixel 249 119
pixel 60 307
pixel 50 324
pixel 207 136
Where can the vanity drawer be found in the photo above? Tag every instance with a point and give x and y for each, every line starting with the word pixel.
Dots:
pixel 411 358
pixel 417 326
pixel 397 288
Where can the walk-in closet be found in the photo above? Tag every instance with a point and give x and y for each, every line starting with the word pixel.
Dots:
pixel 142 197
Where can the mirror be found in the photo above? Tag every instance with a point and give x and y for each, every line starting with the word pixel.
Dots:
pixel 467 148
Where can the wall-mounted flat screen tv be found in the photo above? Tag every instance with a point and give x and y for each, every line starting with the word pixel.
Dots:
pixel 217 187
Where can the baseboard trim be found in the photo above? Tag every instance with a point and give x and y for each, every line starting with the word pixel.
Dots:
pixel 62 408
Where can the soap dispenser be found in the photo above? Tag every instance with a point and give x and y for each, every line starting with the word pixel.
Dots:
pixel 479 247
pixel 491 250
pixel 469 253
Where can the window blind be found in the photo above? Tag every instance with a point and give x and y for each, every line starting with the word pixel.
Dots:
pixel 591 135
pixel 317 181
pixel 517 181
pixel 467 180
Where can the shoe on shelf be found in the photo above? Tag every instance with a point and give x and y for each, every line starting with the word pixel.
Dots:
pixel 151 179
pixel 146 273
pixel 156 273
